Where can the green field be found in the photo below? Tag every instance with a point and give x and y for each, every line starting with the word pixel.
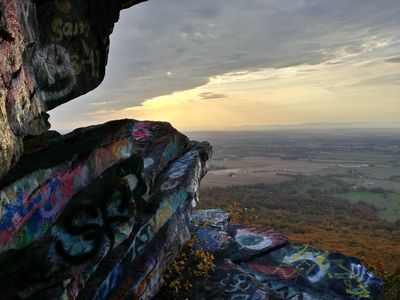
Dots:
pixel 388 207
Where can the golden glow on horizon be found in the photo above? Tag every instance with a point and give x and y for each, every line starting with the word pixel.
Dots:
pixel 329 92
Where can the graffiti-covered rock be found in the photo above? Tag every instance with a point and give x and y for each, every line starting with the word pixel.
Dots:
pixel 263 264
pixel 35 192
pixel 98 213
pixel 229 282
pixel 51 52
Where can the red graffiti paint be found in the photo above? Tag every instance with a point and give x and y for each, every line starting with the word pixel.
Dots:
pixel 140 131
pixel 282 272
pixel 46 194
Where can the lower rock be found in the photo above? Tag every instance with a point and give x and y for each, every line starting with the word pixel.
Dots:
pixel 262 264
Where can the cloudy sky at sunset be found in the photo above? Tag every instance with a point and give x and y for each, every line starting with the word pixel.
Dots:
pixel 231 64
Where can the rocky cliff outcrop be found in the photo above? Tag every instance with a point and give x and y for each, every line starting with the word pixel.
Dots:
pixel 51 51
pixel 101 213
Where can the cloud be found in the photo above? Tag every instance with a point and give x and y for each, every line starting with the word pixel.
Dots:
pixel 99 113
pixel 211 95
pixel 160 47
pixel 395 60
pixel 389 79
pixel 100 103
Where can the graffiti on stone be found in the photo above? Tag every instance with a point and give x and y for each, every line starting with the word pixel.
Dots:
pixel 178 169
pixel 86 227
pixel 234 283
pixel 288 292
pixel 252 241
pixel 110 283
pixel 142 238
pixel 314 266
pixel 53 72
pixel 89 61
pixel 293 271
pixel 28 17
pixel 65 29
pixel 31 212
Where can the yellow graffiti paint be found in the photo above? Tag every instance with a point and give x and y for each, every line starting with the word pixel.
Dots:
pixel 64 29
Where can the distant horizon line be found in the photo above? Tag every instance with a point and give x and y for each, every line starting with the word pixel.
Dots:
pixel 390 125
pixel 309 126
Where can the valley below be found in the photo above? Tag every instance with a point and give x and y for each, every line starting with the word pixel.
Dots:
pixel 335 189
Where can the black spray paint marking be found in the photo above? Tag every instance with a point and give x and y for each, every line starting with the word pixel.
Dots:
pixel 94 232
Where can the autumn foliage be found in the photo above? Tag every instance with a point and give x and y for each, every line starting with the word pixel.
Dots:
pixel 313 217
pixel 191 264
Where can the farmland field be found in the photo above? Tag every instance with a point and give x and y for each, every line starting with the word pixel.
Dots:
pixel 368 159
pixel 388 205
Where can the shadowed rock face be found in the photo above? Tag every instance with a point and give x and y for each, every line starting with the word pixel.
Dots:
pixel 129 3
pixel 70 56
pixel 51 51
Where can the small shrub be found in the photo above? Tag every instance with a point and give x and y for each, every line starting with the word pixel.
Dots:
pixel 191 264
pixel 242 215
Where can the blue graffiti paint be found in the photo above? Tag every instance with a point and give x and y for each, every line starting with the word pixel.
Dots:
pixel 110 283
pixel 179 198
pixel 171 151
pixel 39 214
pixel 17 210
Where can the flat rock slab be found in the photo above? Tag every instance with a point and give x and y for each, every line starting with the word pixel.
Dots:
pixel 252 242
pixel 214 218
pixel 291 271
pixel 229 282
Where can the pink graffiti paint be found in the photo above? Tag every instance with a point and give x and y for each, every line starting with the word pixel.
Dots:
pixel 140 131
pixel 65 192
pixel 71 181
pixel 75 286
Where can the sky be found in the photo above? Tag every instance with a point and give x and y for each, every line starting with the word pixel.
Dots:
pixel 232 64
